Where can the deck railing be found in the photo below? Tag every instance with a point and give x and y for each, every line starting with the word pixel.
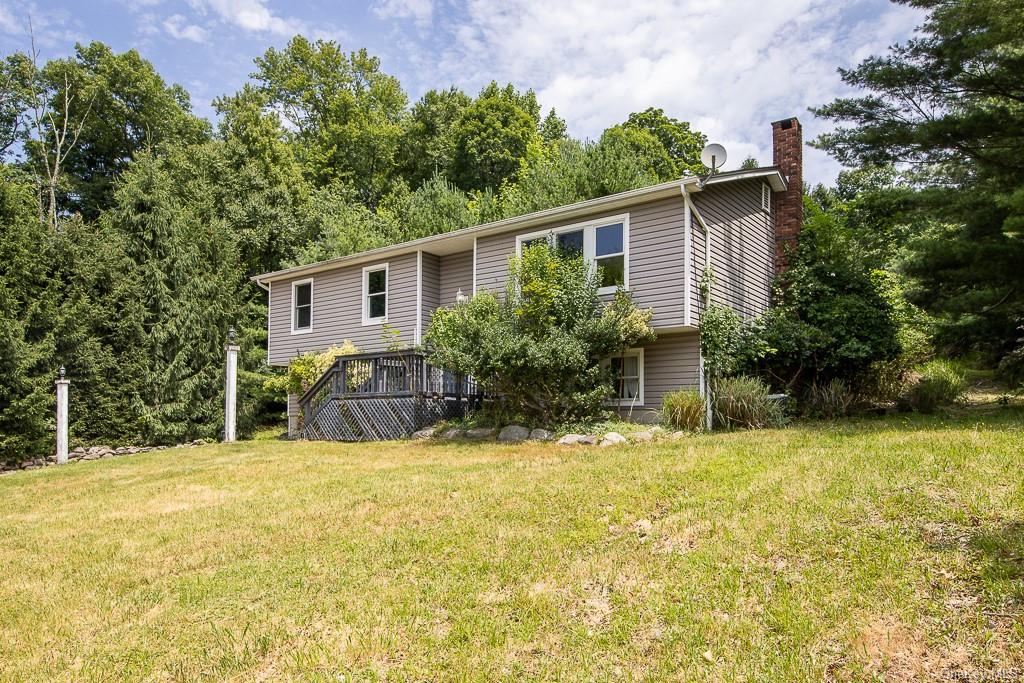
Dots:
pixel 385 375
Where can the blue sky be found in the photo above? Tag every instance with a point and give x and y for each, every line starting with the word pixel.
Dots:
pixel 730 67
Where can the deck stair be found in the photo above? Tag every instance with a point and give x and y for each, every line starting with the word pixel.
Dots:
pixel 382 396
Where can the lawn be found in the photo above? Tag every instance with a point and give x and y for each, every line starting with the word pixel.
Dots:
pixel 884 548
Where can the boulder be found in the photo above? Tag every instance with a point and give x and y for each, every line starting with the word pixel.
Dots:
pixel 570 440
pixel 613 439
pixel 641 436
pixel 77 450
pixel 541 435
pixel 425 433
pixel 513 434
pixel 91 456
pixel 453 433
pixel 479 433
pixel 587 440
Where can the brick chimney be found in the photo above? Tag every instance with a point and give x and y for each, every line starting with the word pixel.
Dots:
pixel 788 155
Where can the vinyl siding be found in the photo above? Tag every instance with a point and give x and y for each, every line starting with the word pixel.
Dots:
pixel 431 288
pixel 456 274
pixel 656 257
pixel 337 310
pixel 670 362
pixel 742 246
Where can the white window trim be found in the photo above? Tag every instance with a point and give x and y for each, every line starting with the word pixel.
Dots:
pixel 296 284
pixel 639 400
pixel 589 229
pixel 367 320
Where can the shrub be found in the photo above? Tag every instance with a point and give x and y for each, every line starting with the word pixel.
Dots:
pixel 306 369
pixel 743 403
pixel 539 349
pixel 684 409
pixel 942 383
pixel 830 400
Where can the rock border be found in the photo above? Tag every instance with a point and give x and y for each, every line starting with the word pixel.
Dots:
pixel 515 433
pixel 86 454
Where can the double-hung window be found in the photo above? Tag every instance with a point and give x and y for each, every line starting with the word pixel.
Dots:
pixel 302 306
pixel 627 371
pixel 604 243
pixel 375 294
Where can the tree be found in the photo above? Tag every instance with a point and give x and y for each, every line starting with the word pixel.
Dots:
pixel 624 159
pixel 428 143
pixel 491 140
pixel 831 319
pixel 553 128
pixel 110 107
pixel 946 106
pixel 682 145
pixel 346 114
pixel 179 295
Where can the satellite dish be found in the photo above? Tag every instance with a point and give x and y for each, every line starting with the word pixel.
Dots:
pixel 713 156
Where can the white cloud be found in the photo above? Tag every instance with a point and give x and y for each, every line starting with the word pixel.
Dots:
pixel 420 11
pixel 251 15
pixel 8 24
pixel 179 28
pixel 727 68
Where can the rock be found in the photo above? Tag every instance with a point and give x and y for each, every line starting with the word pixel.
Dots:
pixel 570 440
pixel 613 439
pixel 425 433
pixel 93 450
pixel 541 435
pixel 588 440
pixel 641 436
pixel 77 450
pixel 108 454
pixel 678 435
pixel 479 433
pixel 91 456
pixel 513 434
pixel 453 433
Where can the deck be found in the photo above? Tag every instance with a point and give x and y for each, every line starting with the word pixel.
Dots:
pixel 382 396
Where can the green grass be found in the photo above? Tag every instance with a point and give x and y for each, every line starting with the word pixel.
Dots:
pixel 887 548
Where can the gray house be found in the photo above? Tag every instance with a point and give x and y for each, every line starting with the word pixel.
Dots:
pixel 655 241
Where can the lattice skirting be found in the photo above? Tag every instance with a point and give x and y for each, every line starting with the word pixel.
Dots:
pixel 378 419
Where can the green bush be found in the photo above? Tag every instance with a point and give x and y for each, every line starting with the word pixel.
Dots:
pixel 304 370
pixel 539 349
pixel 684 409
pixel 743 403
pixel 829 400
pixel 942 383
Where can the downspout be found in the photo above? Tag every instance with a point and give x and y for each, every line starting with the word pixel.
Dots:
pixel 266 288
pixel 691 212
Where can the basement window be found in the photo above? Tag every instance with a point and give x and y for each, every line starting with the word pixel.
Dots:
pixel 628 372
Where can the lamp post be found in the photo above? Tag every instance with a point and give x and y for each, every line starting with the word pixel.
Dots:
pixel 230 390
pixel 62 416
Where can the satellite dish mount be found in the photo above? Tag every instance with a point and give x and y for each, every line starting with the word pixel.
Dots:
pixel 713 156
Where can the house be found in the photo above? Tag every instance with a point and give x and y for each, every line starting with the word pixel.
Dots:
pixel 655 241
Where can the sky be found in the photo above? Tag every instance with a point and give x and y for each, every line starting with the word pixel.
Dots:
pixel 729 67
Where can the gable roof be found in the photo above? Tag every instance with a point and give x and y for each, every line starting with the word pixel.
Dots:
pixel 462 240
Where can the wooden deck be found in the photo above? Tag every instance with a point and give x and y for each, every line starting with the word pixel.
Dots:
pixel 381 396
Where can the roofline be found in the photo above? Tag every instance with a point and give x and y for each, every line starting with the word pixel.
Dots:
pixel 608 202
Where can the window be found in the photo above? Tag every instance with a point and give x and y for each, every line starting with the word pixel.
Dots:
pixel 604 243
pixel 302 306
pixel 375 294
pixel 766 197
pixel 628 371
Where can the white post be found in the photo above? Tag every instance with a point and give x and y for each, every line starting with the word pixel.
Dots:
pixel 230 387
pixel 62 418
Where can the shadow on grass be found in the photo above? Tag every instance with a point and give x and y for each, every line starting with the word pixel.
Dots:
pixel 981 418
pixel 1001 567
